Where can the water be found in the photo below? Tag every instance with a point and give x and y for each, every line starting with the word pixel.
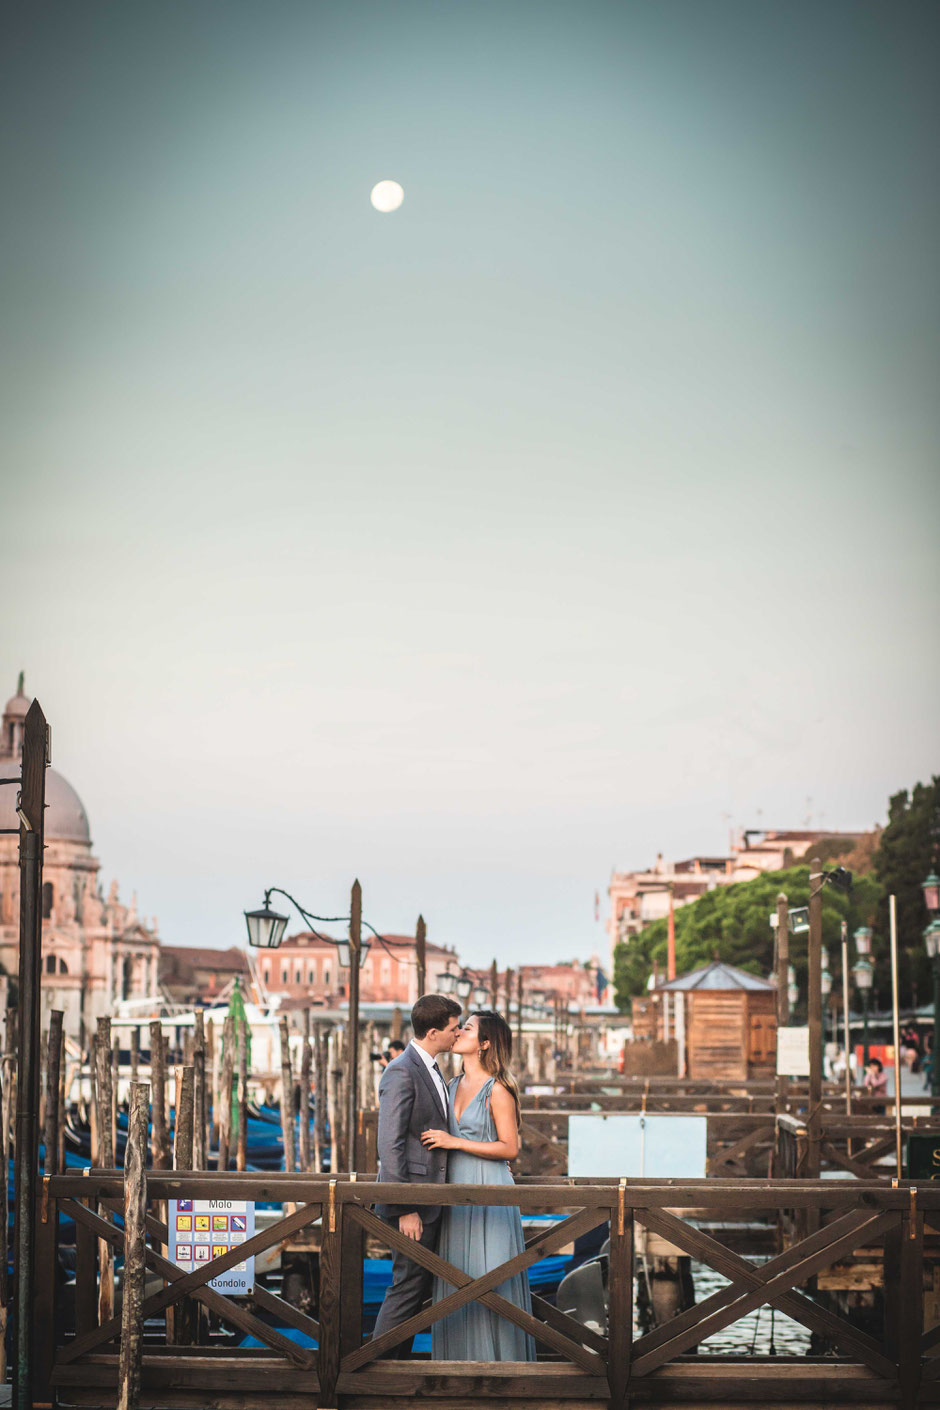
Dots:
pixel 751 1335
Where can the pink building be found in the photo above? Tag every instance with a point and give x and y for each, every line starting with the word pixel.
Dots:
pixel 307 967
pixel 96 950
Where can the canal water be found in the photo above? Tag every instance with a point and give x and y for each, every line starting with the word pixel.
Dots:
pixel 764 1332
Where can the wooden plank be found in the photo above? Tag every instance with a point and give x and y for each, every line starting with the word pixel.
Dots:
pixel 330 1292
pixel 468 1287
pixel 135 1241
pixel 911 1327
pixel 771 1284
pixel 620 1304
pixel 180 1283
pixel 289 1315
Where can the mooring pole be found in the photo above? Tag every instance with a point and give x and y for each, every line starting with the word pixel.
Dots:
pixel 783 996
pixel 352 1086
pixel 26 1160
pixel 421 954
pixel 814 1114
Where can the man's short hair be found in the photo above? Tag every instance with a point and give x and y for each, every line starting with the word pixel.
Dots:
pixel 396 1046
pixel 433 1011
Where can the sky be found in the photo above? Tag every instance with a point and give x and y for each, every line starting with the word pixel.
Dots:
pixel 582 509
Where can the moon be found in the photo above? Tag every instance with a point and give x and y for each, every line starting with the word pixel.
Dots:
pixel 386 196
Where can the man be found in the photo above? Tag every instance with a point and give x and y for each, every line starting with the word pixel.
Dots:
pixel 413 1098
pixel 395 1049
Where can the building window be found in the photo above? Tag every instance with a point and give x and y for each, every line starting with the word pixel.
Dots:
pixel 299 978
pixel 284 973
pixel 63 967
pixel 50 964
pixel 127 978
pixel 312 976
pixel 266 973
pixel 326 976
pixel 48 897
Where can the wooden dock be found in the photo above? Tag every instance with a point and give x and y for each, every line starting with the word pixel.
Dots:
pixel 577 1366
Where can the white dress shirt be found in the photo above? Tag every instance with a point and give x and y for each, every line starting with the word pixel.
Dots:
pixel 435 1072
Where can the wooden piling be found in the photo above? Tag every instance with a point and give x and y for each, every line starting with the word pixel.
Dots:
pixel 241 1154
pixel 115 1085
pixel 159 1146
pixel 104 1160
pixel 287 1098
pixel 53 1070
pixel 225 1092
pixel 135 1053
pixel 200 1105
pixel 320 1102
pixel 60 1120
pixel 304 1111
pixel 135 1239
pixel 181 1327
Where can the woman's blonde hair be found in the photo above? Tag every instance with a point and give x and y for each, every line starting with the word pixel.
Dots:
pixel 493 1029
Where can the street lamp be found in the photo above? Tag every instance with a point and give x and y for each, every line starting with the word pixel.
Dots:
pixel 480 996
pixel 265 927
pixel 345 952
pixel 863 940
pixel 932 943
pixel 931 889
pixel 464 985
pixel 863 974
pixel 447 982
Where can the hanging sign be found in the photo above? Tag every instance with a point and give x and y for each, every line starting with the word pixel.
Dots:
pixel 204 1229
pixel 792 1052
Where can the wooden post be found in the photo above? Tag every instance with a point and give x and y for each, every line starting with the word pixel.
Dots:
pixel 330 1293
pixel 104 1159
pixel 896 1024
pixel 241 1154
pixel 6 1123
pixel 115 1086
pixel 783 996
pixel 508 994
pixel 814 1113
pixel 135 1239
pixel 304 1112
pixel 26 1153
pixel 53 1069
pixel 352 1087
pixel 287 1098
pixel 620 1301
pixel 320 1105
pixel 135 1054
pixel 334 1101
pixel 225 1092
pixel 181 1327
pixel 519 1053
pixel 200 1104
pixel 158 1146
pixel 421 955
pixel 494 984
pixel 60 1120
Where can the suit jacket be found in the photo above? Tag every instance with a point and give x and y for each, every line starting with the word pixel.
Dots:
pixel 409 1104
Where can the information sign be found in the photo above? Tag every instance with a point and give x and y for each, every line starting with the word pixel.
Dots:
pixel 923 1156
pixel 204 1229
pixel 792 1052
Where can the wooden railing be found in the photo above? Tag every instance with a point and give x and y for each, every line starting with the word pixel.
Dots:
pixel 577 1365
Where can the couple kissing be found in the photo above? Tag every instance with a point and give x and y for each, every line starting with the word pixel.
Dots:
pixel 463 1133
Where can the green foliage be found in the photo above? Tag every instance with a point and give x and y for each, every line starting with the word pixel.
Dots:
pixel 732 923
pixel 906 852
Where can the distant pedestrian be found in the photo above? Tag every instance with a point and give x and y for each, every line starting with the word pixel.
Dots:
pixel 876 1082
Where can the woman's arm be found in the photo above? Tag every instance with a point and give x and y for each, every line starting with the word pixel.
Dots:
pixel 506 1145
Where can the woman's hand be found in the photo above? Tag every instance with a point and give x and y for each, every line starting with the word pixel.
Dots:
pixel 439 1140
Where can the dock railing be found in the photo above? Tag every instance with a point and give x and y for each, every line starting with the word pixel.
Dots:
pixel 333 1367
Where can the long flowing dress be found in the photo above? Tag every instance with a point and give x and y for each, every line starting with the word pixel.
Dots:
pixel 477 1238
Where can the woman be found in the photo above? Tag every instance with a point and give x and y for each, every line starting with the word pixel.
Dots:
pixel 483 1136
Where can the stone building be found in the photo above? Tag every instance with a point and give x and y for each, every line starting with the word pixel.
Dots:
pixel 307 967
pixel 95 949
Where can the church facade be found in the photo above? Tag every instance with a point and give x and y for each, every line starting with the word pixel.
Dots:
pixel 96 950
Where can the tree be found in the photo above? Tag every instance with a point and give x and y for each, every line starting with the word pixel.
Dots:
pixel 906 852
pixel 732 923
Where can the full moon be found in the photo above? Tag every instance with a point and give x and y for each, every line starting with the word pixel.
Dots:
pixel 387 196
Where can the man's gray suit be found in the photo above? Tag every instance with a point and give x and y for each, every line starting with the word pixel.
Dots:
pixel 408 1104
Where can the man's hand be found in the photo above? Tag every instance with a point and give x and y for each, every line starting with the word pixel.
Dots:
pixel 411 1226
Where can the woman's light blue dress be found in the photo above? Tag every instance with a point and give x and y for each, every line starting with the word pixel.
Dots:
pixel 477 1238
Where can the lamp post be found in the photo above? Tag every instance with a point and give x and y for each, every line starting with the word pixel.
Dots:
pixel 863 974
pixel 447 982
pixel 464 985
pixel 825 981
pixel 931 890
pixel 266 931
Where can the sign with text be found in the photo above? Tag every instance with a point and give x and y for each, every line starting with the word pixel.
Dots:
pixel 792 1052
pixel 642 1146
pixel 923 1156
pixel 204 1229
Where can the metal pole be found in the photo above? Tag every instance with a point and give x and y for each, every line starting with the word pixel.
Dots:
pixel 519 1019
pixel 864 1028
pixel 26 1158
pixel 814 1115
pixel 352 1089
pixel 783 996
pixel 845 1014
pixel 892 913
pixel 935 1050
pixel 421 954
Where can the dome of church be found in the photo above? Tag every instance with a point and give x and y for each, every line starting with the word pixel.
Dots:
pixel 65 819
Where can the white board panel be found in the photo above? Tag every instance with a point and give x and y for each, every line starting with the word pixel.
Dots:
pixel 638 1145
